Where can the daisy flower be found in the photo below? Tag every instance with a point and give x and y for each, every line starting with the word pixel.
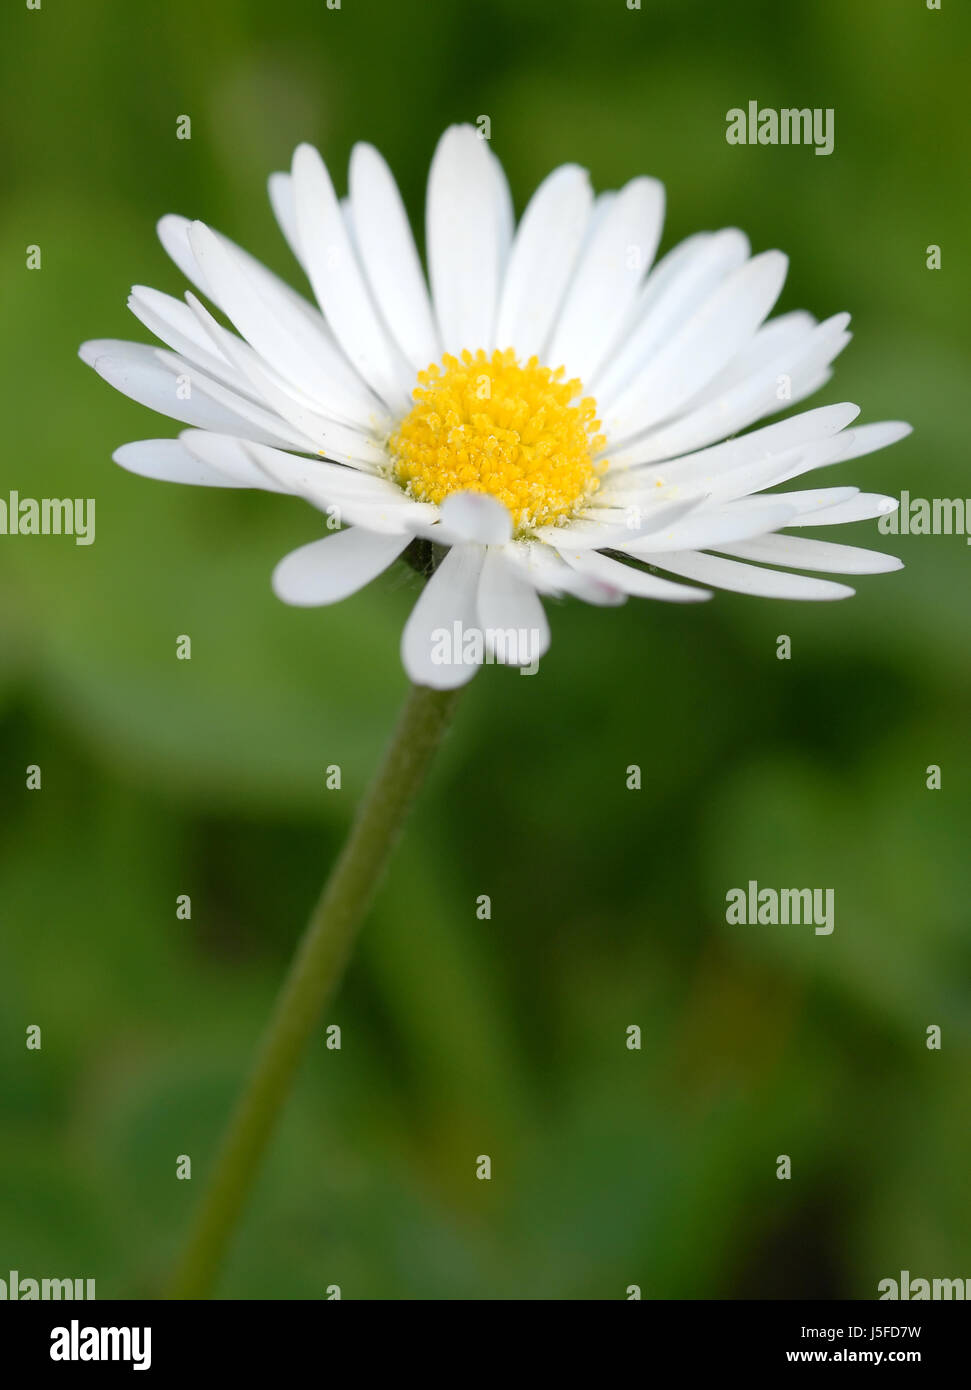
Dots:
pixel 551 413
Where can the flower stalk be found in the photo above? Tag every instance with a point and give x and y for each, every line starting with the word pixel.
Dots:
pixel 314 975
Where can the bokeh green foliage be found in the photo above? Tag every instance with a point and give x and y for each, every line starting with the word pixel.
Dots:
pixel 463 1037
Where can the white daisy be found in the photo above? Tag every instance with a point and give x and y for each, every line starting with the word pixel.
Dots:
pixel 548 409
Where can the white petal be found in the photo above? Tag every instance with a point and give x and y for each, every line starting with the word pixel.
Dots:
pixel 331 569
pixel 390 260
pixel 675 289
pixel 221 453
pixel 174 324
pixel 668 269
pixel 475 516
pixel 173 233
pixel 360 498
pixel 863 507
pixel 783 334
pixel 605 284
pixel 754 477
pixel 747 579
pixel 254 420
pixel 332 438
pixel 804 384
pixel 292 469
pixel 280 187
pixel 805 554
pixel 168 460
pixel 543 255
pixel 713 335
pixel 706 465
pixel 741 405
pixel 768 472
pixel 441 619
pixel 509 605
pixel 707 528
pixel 140 372
pixel 809 504
pixel 549 573
pixel 631 580
pixel 600 532
pixel 290 342
pixel 462 230
pixel 339 283
pixel 505 216
pixel 348 216
pixel 868 438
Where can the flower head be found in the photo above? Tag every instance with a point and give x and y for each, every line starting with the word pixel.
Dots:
pixel 554 411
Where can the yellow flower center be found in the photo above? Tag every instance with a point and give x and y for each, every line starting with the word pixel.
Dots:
pixel 520 433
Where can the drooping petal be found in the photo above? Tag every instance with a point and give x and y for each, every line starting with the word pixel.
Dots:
pixel 509 605
pixel 433 644
pixel 475 516
pixel 335 567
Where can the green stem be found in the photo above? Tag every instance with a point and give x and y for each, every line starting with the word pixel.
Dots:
pixel 312 980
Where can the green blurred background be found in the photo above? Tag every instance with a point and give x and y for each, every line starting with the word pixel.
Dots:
pixel 508 1037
